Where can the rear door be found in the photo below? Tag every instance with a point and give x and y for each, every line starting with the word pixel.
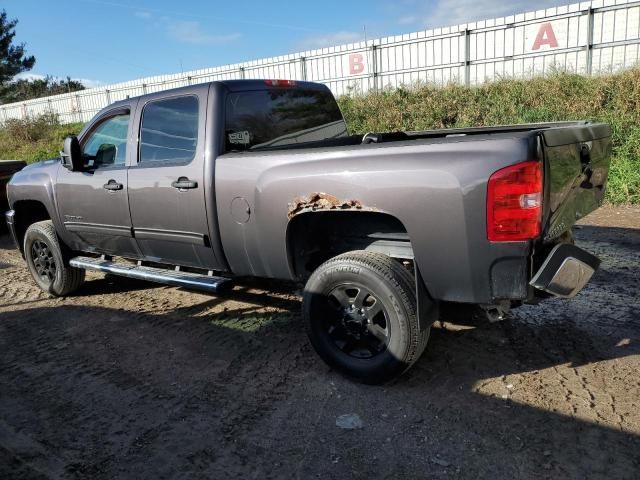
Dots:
pixel 167 184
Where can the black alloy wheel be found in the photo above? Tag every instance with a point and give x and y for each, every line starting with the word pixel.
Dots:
pixel 360 313
pixel 48 260
pixel 357 321
pixel 43 260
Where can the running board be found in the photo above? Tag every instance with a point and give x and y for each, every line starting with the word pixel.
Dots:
pixel 195 281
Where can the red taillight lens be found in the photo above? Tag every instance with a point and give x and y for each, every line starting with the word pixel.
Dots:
pixel 514 203
pixel 280 83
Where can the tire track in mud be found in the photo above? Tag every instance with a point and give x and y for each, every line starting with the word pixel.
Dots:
pixel 64 369
pixel 128 379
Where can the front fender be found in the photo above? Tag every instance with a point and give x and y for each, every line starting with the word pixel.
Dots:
pixel 36 182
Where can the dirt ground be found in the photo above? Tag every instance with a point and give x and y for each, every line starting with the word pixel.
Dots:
pixel 132 380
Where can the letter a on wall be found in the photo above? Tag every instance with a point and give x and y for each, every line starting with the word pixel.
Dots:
pixel 546 36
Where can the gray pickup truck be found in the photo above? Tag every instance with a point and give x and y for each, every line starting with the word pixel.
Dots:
pixel 199 185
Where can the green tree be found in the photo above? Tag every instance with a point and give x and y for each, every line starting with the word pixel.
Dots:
pixel 13 59
pixel 26 89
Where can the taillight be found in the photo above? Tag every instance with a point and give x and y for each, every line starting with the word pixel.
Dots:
pixel 281 83
pixel 514 203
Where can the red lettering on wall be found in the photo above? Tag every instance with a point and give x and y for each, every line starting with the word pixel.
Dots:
pixel 546 36
pixel 356 63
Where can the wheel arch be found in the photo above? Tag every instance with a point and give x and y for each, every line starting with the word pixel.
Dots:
pixel 314 237
pixel 28 212
pixel 311 241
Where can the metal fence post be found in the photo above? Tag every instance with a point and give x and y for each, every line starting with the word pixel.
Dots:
pixel 374 66
pixel 108 96
pixel 467 56
pixel 590 27
pixel 303 68
pixel 144 88
pixel 79 108
pixel 241 73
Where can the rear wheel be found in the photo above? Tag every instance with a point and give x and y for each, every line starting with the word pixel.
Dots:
pixel 361 318
pixel 48 259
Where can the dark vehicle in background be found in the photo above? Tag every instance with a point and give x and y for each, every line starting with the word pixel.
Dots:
pixel 195 186
pixel 7 169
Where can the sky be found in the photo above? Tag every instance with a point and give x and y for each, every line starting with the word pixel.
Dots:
pixel 106 41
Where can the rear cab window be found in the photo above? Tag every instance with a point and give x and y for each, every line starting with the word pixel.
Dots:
pixel 280 117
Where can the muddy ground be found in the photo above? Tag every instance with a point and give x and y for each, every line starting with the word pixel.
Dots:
pixel 131 380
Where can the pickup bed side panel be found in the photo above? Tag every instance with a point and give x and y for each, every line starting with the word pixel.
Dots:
pixel 437 191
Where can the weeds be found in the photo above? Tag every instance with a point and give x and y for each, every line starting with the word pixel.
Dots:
pixel 34 139
pixel 613 99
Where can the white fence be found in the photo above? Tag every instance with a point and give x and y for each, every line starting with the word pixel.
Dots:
pixel 588 38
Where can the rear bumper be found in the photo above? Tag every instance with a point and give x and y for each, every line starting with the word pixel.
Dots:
pixel 10 218
pixel 566 270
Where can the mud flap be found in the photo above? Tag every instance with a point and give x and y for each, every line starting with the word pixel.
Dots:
pixel 10 219
pixel 427 308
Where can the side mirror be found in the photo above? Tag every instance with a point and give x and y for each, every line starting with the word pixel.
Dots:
pixel 106 155
pixel 71 154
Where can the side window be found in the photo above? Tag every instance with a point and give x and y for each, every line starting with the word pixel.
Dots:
pixel 107 144
pixel 169 131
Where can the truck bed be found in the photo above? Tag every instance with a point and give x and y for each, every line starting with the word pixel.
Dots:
pixel 438 135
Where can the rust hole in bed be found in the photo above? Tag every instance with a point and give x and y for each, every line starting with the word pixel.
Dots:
pixel 321 201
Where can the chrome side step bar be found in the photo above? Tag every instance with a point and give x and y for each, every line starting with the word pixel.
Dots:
pixel 196 281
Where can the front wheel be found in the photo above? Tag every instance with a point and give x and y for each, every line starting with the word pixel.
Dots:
pixel 361 316
pixel 47 260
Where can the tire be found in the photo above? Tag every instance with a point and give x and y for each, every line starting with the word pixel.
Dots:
pixel 361 316
pixel 48 260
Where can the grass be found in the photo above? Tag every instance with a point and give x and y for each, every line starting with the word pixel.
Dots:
pixel 613 99
pixel 35 138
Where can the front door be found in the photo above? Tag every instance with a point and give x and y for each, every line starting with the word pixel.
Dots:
pixel 167 186
pixel 93 203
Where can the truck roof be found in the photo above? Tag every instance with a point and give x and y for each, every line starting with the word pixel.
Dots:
pixel 233 86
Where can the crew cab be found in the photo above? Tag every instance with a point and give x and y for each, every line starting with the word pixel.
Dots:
pixel 204 184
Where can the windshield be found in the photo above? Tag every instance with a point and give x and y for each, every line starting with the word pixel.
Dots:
pixel 279 117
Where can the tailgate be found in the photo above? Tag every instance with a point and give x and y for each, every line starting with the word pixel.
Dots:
pixel 576 167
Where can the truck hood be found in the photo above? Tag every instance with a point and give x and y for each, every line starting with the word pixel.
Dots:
pixel 42 164
pixel 37 167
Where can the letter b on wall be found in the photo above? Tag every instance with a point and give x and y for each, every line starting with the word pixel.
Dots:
pixel 356 63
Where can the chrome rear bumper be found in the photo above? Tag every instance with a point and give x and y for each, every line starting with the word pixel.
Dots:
pixel 566 270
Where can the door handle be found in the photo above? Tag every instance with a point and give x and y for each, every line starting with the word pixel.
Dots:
pixel 112 185
pixel 184 183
